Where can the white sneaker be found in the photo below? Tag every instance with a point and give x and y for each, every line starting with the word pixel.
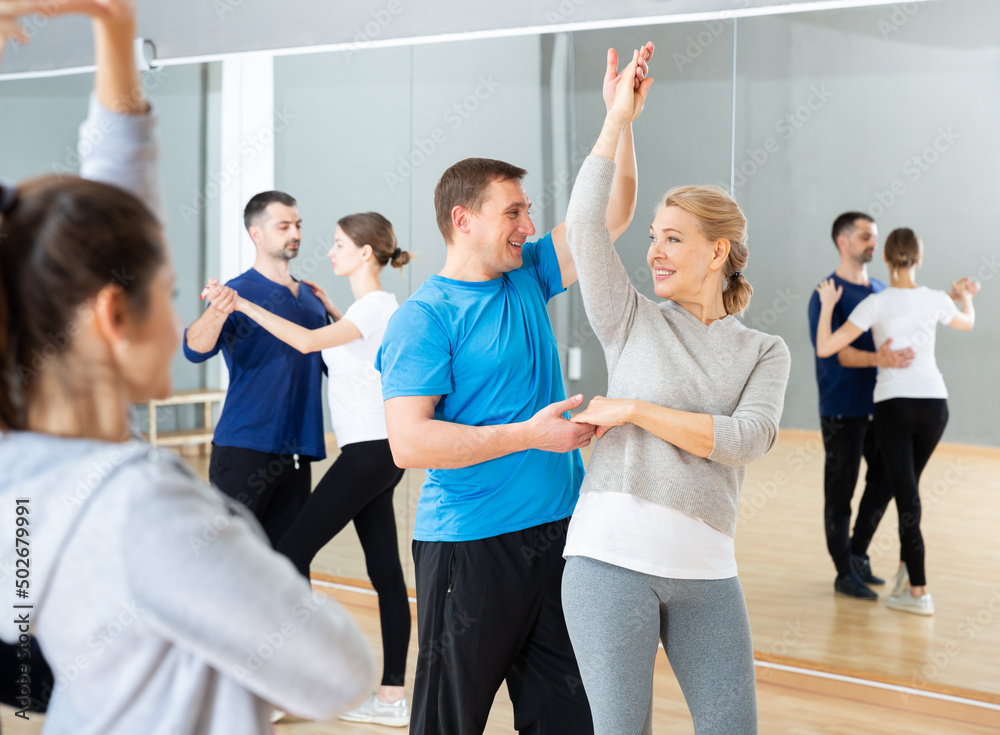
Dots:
pixel 902 583
pixel 377 712
pixel 905 602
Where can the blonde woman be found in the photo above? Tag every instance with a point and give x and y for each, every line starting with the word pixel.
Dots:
pixel 693 397
pixel 911 407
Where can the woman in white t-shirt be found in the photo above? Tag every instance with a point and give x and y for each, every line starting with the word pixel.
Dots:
pixel 911 407
pixel 359 486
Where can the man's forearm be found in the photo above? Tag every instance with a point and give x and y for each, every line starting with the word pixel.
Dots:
pixel 203 334
pixel 621 206
pixel 851 357
pixel 440 445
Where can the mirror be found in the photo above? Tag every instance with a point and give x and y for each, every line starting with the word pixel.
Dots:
pixel 886 109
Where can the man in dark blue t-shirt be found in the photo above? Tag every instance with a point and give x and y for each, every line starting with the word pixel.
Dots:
pixel 271 426
pixel 846 387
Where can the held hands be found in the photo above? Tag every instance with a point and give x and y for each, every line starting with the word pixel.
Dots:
pixel 829 293
pixel 222 298
pixel 550 432
pixel 964 288
pixel 886 357
pixel 604 413
pixel 612 77
pixel 630 93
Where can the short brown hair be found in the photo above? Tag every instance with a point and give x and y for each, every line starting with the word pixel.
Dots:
pixel 466 184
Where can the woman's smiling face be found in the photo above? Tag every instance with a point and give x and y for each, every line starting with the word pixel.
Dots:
pixel 679 256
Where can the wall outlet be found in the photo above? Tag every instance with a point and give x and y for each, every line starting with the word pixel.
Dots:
pixel 575 367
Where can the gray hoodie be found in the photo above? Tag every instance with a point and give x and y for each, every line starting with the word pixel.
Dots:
pixel 157 600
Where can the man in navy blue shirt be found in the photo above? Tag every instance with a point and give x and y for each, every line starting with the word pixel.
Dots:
pixel 271 426
pixel 846 388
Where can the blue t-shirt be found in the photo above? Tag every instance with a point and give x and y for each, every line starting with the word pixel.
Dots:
pixel 846 392
pixel 275 400
pixel 487 348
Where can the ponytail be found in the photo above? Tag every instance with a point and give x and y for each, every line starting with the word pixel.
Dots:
pixel 903 248
pixel 737 292
pixel 374 230
pixel 399 258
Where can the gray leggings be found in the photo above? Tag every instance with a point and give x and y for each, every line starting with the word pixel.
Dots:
pixel 616 617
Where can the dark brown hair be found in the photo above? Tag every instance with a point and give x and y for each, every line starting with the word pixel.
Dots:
pixel 847 222
pixel 719 218
pixel 466 184
pixel 63 240
pixel 374 230
pixel 259 203
pixel 902 248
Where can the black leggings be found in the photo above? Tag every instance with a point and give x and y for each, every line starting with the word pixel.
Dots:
pixel 908 431
pixel 359 487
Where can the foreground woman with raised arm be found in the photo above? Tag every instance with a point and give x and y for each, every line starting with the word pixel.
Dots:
pixel 694 396
pixel 133 583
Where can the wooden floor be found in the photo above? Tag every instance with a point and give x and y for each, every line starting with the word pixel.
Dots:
pixel 796 619
pixel 787 574
pixel 784 709
pixel 788 577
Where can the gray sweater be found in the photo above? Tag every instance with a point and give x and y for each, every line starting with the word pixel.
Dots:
pixel 661 353
pixel 158 601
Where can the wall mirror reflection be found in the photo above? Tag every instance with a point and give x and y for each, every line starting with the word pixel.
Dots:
pixel 885 110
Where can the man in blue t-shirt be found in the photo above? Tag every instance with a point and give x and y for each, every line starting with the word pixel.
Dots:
pixel 846 388
pixel 271 426
pixel 473 391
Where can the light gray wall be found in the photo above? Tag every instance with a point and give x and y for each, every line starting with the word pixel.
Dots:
pixel 884 85
pixel 353 145
pixel 883 82
pixel 187 28
pixel 867 90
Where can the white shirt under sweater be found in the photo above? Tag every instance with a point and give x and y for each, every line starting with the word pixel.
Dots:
pixel 910 317
pixel 357 411
pixel 660 353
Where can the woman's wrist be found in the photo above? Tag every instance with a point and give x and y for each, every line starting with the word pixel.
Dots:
pixel 631 410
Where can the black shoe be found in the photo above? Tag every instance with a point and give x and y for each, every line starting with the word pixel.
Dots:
pixel 850 584
pixel 863 567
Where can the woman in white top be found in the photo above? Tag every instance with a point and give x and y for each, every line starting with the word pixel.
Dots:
pixel 359 486
pixel 911 407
